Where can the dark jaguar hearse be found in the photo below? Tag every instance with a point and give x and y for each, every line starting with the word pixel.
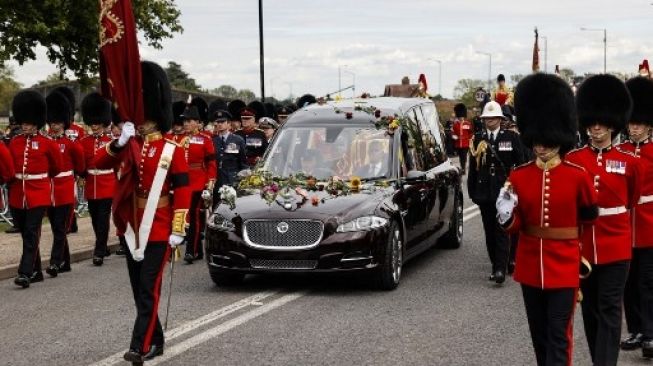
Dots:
pixel 371 195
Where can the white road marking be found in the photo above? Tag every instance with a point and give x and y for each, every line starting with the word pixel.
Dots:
pixel 197 323
pixel 470 208
pixel 223 328
pixel 471 215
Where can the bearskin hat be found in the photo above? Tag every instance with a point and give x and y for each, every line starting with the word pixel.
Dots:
pixel 202 108
pixel 96 109
pixel 70 95
pixel 157 97
pixel 603 99
pixel 546 115
pixel 270 110
pixel 216 105
pixel 177 110
pixel 191 112
pixel 641 90
pixel 58 108
pixel 460 110
pixel 305 100
pixel 29 106
pixel 259 109
pixel 234 107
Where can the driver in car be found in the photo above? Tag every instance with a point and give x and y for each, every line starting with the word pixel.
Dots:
pixel 377 159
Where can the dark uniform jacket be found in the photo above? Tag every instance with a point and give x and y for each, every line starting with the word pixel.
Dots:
pixel 495 162
pixel 230 156
pixel 255 143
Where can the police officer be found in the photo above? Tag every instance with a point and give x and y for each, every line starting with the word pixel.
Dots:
pixel 461 132
pixel 63 184
pixel 255 141
pixel 229 150
pixel 638 296
pixel 494 152
pixel 604 105
pixel 545 201
pixel 37 159
pixel 166 228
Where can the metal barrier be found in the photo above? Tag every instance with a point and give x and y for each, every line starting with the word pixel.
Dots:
pixel 5 214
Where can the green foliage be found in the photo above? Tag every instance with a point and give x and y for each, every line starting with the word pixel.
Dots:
pixel 69 30
pixel 246 95
pixel 8 87
pixel 465 89
pixel 179 78
pixel 226 91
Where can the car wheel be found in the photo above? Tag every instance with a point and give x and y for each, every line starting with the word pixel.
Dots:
pixel 221 278
pixel 453 238
pixel 389 272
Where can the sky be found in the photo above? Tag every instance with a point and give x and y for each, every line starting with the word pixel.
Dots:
pixel 307 42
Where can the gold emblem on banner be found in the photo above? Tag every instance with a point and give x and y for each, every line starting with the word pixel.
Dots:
pixel 111 27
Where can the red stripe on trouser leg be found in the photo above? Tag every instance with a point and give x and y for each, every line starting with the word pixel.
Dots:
pixel 155 307
pixel 570 331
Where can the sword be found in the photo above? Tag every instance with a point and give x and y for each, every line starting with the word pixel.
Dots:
pixel 173 259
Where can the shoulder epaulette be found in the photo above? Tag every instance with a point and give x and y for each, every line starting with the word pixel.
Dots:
pixel 617 148
pixel 175 142
pixel 567 162
pixel 524 165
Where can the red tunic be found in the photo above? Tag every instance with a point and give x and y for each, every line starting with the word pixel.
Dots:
pixel 36 159
pixel 100 183
pixel 201 161
pixel 617 180
pixel 179 138
pixel 643 211
pixel 63 185
pixel 7 172
pixel 75 132
pixel 176 180
pixel 461 132
pixel 552 199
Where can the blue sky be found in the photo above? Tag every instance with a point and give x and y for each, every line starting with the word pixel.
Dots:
pixel 382 41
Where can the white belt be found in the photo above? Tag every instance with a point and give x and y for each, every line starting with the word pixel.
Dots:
pixel 100 171
pixel 64 174
pixel 612 211
pixel 31 176
pixel 645 199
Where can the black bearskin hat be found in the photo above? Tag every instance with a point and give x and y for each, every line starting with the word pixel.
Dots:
pixel 96 109
pixel 460 110
pixel 177 110
pixel 305 100
pixel 29 106
pixel 270 110
pixel 202 108
pixel 216 105
pixel 546 115
pixel 500 78
pixel 641 90
pixel 259 109
pixel 284 110
pixel 70 95
pixel 234 107
pixel 157 97
pixel 603 99
pixel 191 113
pixel 58 109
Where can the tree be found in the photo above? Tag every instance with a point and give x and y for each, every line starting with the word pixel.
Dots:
pixel 179 78
pixel 69 30
pixel 226 91
pixel 52 78
pixel 515 79
pixel 8 88
pixel 465 89
pixel 246 95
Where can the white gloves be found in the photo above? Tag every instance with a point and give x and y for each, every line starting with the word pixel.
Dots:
pixel 206 195
pixel 128 131
pixel 175 240
pixel 506 203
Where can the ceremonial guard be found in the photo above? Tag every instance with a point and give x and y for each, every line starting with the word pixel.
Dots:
pixel 61 212
pixel 461 132
pixel 638 296
pixel 644 69
pixel 282 114
pixel 503 94
pixel 202 172
pixel 255 140
pixel 229 149
pixel 99 183
pixel 73 131
pixel 545 201
pixel 494 153
pixel 177 132
pixel 604 106
pixel 159 223
pixel 37 159
pixel 235 107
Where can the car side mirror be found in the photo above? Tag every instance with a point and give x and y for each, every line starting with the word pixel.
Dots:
pixel 415 176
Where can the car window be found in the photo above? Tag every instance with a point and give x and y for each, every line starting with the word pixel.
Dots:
pixel 412 143
pixel 433 124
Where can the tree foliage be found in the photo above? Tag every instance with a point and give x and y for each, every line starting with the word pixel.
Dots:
pixel 179 78
pixel 226 91
pixel 8 88
pixel 465 89
pixel 68 29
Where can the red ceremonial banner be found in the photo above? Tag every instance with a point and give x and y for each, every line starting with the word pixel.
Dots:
pixel 536 54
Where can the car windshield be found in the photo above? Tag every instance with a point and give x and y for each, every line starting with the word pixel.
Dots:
pixel 328 151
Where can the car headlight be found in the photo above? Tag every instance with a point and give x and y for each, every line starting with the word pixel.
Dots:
pixel 219 222
pixel 364 223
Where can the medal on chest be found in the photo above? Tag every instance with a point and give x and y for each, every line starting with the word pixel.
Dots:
pixel 505 145
pixel 254 142
pixel 197 140
pixel 35 145
pixel 231 149
pixel 615 166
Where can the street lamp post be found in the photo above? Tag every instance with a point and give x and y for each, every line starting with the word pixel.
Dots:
pixel 260 36
pixel 353 85
pixel 545 53
pixel 605 44
pixel 489 73
pixel 439 75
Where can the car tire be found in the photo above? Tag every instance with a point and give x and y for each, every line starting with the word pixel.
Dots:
pixel 388 274
pixel 453 238
pixel 227 279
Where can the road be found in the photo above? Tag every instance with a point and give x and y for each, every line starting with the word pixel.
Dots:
pixel 444 312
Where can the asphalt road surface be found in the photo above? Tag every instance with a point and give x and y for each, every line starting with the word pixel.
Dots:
pixel 444 312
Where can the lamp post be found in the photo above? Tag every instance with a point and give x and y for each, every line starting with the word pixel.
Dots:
pixel 260 37
pixel 605 44
pixel 353 85
pixel 489 73
pixel 545 53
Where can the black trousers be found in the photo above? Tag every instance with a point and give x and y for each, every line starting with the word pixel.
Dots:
pixel 638 296
pixel 29 221
pixel 60 218
pixel 462 155
pixel 146 277
pixel 100 211
pixel 550 319
pixel 496 239
pixel 196 220
pixel 603 293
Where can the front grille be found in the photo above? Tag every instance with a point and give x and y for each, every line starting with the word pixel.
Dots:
pixel 300 234
pixel 282 264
